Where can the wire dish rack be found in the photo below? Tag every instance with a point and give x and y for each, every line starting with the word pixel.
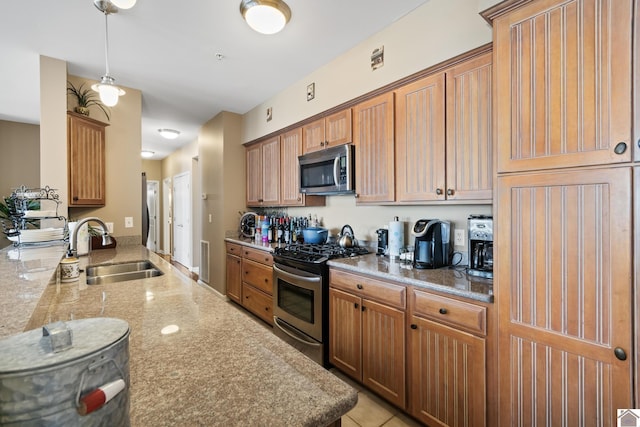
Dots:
pixel 32 218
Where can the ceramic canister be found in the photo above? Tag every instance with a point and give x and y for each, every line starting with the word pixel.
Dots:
pixel 69 269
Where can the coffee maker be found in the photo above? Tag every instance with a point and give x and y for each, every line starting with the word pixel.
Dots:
pixel 432 247
pixel 480 245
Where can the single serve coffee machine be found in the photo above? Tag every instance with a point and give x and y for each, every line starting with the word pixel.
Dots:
pixel 433 243
pixel 480 245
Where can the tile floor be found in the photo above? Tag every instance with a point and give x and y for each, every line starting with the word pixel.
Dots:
pixel 372 411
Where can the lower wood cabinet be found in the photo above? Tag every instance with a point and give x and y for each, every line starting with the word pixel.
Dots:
pixel 367 337
pixel 447 373
pixel 249 279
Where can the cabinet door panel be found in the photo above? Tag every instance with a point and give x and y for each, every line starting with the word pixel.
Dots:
pixel 234 278
pixel 564 280
pixel 86 156
pixel 383 351
pixel 338 128
pixel 420 140
pixel 313 136
pixel 271 172
pixel 345 336
pixel 254 175
pixel 469 131
pixel 563 84
pixel 447 375
pixel 290 149
pixel 373 137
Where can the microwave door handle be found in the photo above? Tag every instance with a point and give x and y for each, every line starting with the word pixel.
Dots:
pixel 336 166
pixel 295 278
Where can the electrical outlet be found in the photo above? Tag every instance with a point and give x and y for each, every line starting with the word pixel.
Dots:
pixel 109 227
pixel 459 238
pixel 128 222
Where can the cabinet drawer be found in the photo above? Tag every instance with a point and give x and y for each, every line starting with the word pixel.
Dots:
pixel 258 303
pixel 234 248
pixel 467 316
pixel 263 257
pixel 377 290
pixel 258 275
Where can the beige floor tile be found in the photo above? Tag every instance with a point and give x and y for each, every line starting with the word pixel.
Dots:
pixel 348 422
pixel 401 420
pixel 371 411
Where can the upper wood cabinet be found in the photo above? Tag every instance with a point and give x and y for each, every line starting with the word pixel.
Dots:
pixel 443 143
pixel 563 84
pixel 263 173
pixel 373 135
pixel 329 131
pixel 290 149
pixel 86 160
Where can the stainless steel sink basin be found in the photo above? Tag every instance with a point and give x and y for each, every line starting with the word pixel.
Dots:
pixel 120 272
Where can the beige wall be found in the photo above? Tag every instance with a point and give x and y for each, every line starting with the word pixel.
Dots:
pixel 432 33
pixel 223 184
pixel 20 156
pixel 153 169
pixel 123 163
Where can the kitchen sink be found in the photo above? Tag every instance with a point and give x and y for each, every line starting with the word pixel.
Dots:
pixel 121 272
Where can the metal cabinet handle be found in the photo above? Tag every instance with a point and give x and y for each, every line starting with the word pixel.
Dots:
pixel 414 326
pixel 620 353
pixel 359 286
pixel 620 148
pixel 442 311
pixel 450 192
pixel 439 191
pixel 355 305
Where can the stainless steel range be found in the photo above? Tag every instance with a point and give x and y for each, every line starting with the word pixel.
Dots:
pixel 301 295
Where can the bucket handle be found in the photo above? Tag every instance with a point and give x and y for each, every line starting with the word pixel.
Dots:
pixel 93 367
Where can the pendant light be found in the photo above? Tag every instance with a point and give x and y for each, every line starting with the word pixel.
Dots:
pixel 109 92
pixel 265 16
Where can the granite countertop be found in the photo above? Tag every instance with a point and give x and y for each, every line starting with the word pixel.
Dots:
pixel 223 367
pixel 449 280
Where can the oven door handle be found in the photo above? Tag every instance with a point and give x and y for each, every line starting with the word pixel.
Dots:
pixel 292 333
pixel 294 278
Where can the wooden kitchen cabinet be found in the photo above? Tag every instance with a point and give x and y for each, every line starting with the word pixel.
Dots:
pixel 263 173
pixel 86 160
pixel 373 136
pixel 563 84
pixel 234 272
pixel 257 282
pixel 367 332
pixel 443 142
pixel 447 372
pixel 565 295
pixel 290 195
pixel 329 131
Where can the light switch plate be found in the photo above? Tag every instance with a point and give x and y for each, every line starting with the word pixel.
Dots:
pixel 128 222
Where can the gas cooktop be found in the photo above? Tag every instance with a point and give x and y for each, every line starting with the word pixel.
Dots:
pixel 317 253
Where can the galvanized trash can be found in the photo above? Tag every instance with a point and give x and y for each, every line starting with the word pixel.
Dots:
pixel 54 375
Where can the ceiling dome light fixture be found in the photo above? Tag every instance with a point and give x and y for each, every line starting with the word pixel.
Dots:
pixel 109 92
pixel 146 154
pixel 124 4
pixel 169 133
pixel 265 16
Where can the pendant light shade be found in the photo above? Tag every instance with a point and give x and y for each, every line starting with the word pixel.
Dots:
pixel 109 92
pixel 265 16
pixel 124 4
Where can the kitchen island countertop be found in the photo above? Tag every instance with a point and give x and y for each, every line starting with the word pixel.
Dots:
pixel 222 367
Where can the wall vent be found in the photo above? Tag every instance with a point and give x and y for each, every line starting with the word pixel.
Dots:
pixel 204 261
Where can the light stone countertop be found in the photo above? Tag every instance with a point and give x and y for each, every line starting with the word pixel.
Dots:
pixel 448 280
pixel 222 368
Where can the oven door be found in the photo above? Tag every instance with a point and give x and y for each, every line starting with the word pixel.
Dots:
pixel 297 300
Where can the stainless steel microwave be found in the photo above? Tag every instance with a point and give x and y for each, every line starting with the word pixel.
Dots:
pixel 328 171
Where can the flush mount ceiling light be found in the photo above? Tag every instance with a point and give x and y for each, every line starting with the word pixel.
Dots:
pixel 169 133
pixel 109 92
pixel 146 154
pixel 124 4
pixel 265 16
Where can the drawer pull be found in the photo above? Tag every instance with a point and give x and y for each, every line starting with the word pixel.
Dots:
pixel 443 311
pixel 414 326
pixel 359 286
pixel 355 305
pixel 620 353
pixel 620 148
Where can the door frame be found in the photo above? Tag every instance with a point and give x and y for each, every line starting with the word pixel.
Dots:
pixel 156 202
pixel 187 229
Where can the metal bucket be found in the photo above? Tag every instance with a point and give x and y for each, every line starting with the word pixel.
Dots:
pixel 47 375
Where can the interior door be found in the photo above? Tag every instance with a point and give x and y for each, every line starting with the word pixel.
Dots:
pixel 152 206
pixel 166 215
pixel 182 219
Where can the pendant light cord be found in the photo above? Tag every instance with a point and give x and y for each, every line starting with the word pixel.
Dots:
pixel 106 41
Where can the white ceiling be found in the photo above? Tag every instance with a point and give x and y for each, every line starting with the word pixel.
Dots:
pixel 167 50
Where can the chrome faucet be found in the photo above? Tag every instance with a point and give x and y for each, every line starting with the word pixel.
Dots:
pixel 73 243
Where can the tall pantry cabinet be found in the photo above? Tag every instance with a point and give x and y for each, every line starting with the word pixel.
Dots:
pixel 564 270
